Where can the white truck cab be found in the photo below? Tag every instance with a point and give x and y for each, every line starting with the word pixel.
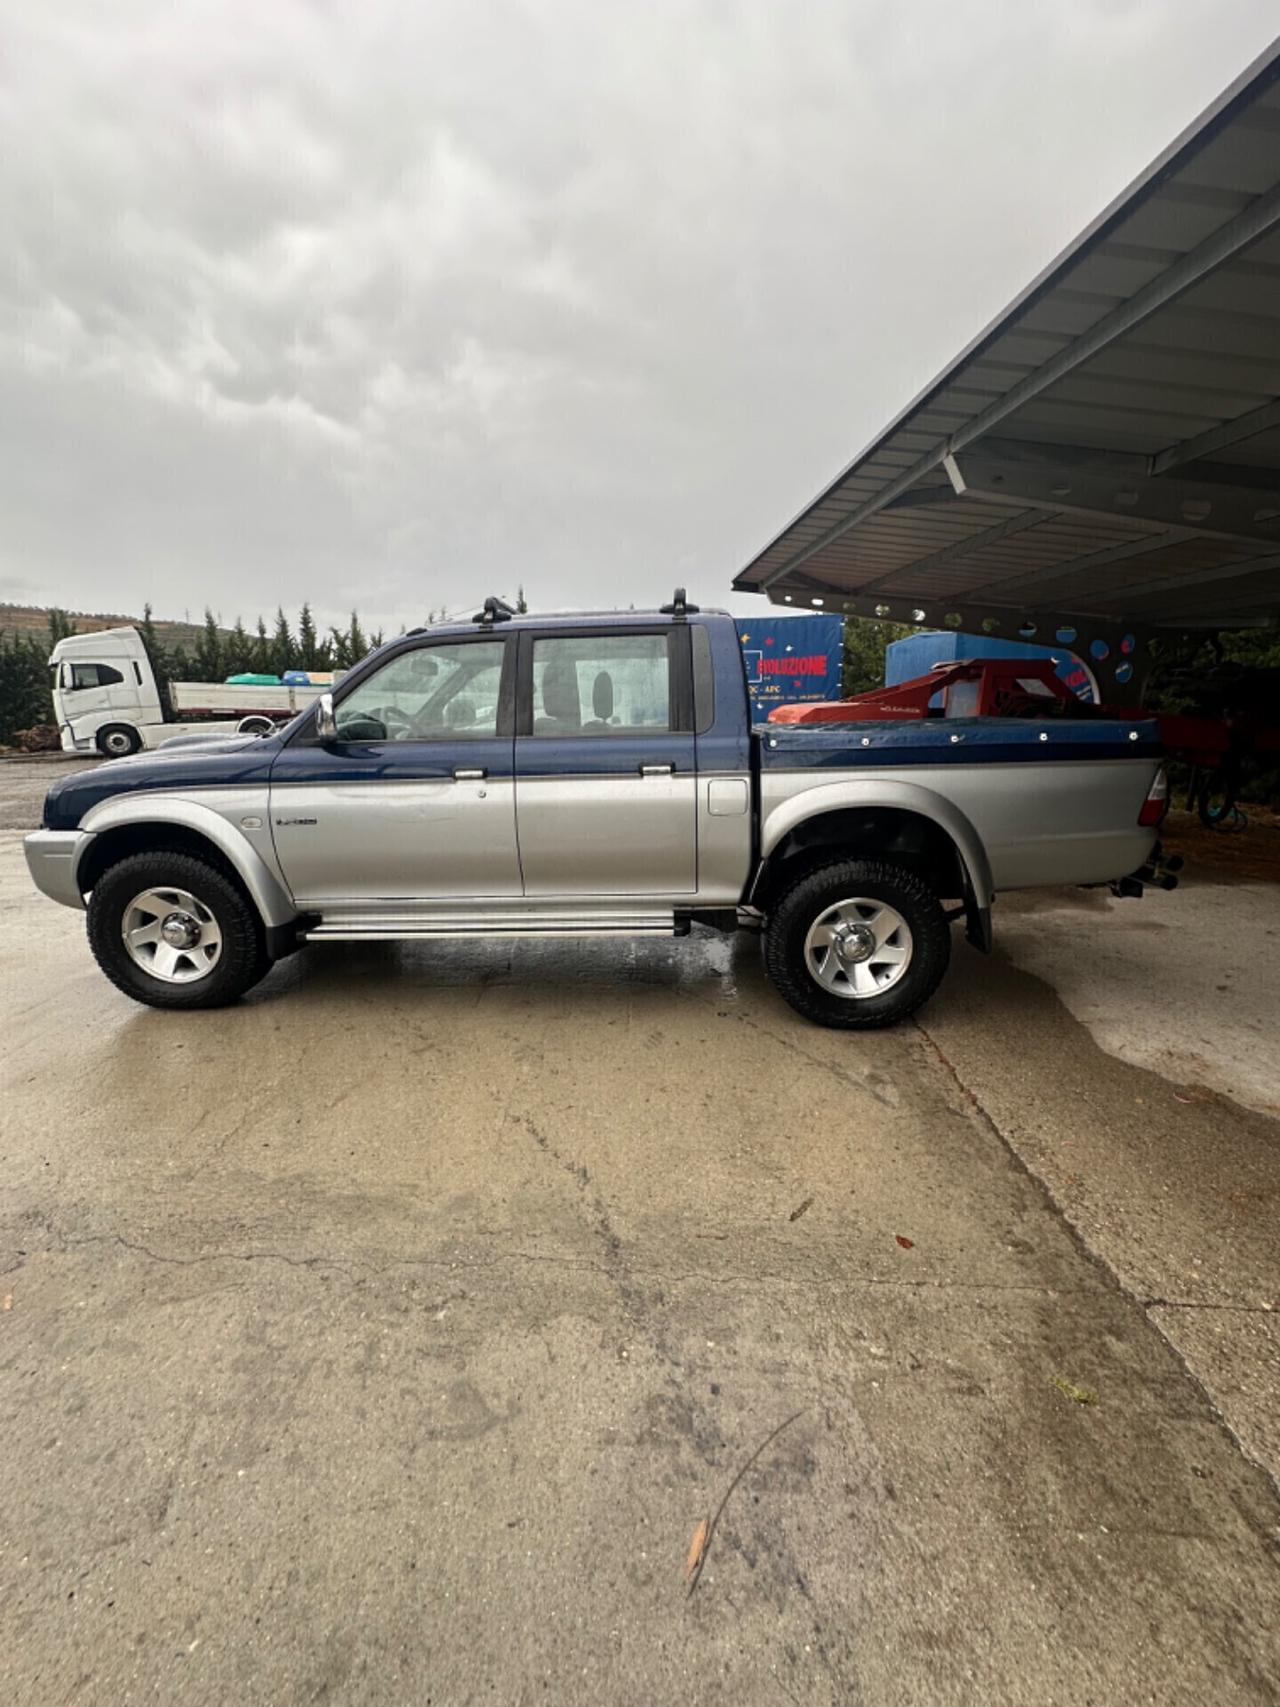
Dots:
pixel 105 694
pixel 106 698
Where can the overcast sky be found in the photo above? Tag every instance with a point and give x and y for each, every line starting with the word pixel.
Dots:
pixel 395 305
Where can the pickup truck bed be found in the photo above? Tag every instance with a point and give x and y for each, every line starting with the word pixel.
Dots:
pixel 1054 803
pixel 585 774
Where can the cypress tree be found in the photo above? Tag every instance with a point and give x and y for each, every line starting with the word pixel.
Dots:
pixel 209 650
pixel 308 640
pixel 238 655
pixel 283 646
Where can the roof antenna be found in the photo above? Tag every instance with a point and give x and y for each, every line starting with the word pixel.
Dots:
pixel 679 607
pixel 495 610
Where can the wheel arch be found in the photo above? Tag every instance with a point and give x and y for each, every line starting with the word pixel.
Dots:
pixel 126 825
pixel 902 822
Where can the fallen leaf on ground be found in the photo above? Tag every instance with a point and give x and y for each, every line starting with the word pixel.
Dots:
pixel 697 1547
pixel 1081 1395
pixel 907 1244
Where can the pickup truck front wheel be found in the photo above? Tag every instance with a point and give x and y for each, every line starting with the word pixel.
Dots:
pixel 173 931
pixel 857 944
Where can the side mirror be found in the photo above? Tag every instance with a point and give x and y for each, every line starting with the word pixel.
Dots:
pixel 326 722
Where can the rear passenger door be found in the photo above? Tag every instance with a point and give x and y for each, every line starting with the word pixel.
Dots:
pixel 605 766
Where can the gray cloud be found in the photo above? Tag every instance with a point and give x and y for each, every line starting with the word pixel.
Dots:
pixel 394 305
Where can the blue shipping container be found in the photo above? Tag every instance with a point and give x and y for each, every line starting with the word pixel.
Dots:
pixel 791 660
pixel 918 653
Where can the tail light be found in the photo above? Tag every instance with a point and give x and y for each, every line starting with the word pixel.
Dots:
pixel 1156 804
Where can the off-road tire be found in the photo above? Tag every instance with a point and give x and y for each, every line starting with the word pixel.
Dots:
pixel 797 909
pixel 243 960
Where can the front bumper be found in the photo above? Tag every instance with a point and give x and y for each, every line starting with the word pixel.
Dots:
pixel 53 858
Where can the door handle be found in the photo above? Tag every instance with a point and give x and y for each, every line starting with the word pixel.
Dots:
pixel 470 775
pixel 657 770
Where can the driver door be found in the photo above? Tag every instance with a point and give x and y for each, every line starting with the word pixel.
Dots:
pixel 415 800
pixel 88 688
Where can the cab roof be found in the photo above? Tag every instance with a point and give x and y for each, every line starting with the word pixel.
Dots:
pixel 644 618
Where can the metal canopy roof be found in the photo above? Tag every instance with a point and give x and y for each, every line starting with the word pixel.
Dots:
pixel 1107 452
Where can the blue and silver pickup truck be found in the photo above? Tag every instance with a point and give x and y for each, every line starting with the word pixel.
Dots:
pixel 587 774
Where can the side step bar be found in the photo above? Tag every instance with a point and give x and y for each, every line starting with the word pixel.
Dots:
pixel 384 927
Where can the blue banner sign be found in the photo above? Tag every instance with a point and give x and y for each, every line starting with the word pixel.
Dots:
pixel 791 660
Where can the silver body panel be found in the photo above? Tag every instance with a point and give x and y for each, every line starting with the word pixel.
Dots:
pixel 608 835
pixel 52 858
pixel 218 814
pixel 728 797
pixel 726 838
pixel 428 839
pixel 580 919
pixel 1022 825
pixel 605 853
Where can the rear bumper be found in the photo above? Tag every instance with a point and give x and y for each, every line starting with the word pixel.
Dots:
pixel 53 857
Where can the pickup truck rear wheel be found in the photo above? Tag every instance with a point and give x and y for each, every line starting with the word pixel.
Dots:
pixel 173 931
pixel 857 944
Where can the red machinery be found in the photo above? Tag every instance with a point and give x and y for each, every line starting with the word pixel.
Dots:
pixel 1010 687
pixel 974 687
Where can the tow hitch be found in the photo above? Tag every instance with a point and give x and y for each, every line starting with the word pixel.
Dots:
pixel 1160 871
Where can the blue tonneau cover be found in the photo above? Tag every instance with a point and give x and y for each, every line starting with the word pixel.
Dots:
pixel 955 741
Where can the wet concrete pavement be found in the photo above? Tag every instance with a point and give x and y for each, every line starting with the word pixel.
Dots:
pixel 385 1338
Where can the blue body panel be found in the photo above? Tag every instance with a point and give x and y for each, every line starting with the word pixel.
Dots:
pixel 392 761
pixel 601 755
pixel 954 741
pixel 727 745
pixel 221 764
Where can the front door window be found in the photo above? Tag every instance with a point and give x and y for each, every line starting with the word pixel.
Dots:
pixel 436 693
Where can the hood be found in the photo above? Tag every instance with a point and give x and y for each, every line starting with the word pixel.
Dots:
pixel 183 766
pixel 206 743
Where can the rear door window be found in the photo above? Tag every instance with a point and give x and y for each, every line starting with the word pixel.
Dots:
pixel 602 684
